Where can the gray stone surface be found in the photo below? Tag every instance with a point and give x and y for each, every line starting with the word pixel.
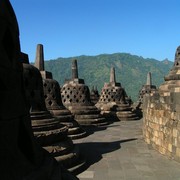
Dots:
pixel 118 152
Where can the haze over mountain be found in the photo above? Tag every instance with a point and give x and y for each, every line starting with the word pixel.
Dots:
pixel 131 70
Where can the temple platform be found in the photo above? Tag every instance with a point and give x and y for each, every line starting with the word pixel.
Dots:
pixel 118 152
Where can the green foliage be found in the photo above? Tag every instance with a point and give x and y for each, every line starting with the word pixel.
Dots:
pixel 131 70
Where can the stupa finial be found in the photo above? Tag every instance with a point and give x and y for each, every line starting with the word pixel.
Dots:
pixel 74 69
pixel 112 75
pixel 149 80
pixel 39 61
pixel 177 57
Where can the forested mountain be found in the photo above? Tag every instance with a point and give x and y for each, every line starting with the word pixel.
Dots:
pixel 131 70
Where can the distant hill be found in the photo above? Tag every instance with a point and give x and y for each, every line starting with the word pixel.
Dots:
pixel 131 70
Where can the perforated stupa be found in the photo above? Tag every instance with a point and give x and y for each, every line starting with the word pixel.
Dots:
pixel 112 101
pixel 76 97
pixel 48 131
pixel 53 98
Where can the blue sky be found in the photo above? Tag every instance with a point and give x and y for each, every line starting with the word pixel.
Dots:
pixel 66 28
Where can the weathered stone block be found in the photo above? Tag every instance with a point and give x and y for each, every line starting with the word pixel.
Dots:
pixel 178 152
pixel 161 135
pixel 175 98
pixel 162 150
pixel 177 108
pixel 170 147
pixel 175 132
pixel 172 115
pixel 156 133
pixel 160 120
pixel 166 94
pixel 173 150
pixel 148 141
pixel 175 141
pixel 159 142
pixel 177 89
pixel 165 144
pixel 178 141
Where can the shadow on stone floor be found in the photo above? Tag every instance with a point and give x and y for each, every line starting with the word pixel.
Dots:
pixel 92 130
pixel 93 151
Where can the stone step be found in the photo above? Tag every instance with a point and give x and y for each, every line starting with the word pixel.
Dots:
pixel 49 137
pixel 76 130
pixel 73 161
pixel 88 116
pixel 61 148
pixel 92 122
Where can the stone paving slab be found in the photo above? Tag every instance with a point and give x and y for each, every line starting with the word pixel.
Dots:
pixel 118 152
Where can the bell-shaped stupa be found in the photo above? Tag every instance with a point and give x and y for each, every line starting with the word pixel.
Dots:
pixel 21 156
pixel 49 132
pixel 172 80
pixel 76 97
pixel 94 95
pixel 147 88
pixel 53 98
pixel 113 101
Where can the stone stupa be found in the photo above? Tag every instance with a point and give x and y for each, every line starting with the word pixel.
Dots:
pixel 76 97
pixel 112 101
pixel 161 114
pixel 48 131
pixel 94 95
pixel 53 98
pixel 21 156
pixel 147 88
pixel 172 80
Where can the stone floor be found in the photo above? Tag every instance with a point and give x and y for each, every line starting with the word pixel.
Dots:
pixel 118 152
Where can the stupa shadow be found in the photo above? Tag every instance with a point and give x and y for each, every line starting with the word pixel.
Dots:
pixel 94 129
pixel 94 150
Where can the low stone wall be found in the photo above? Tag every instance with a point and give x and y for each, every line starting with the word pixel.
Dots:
pixel 161 122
